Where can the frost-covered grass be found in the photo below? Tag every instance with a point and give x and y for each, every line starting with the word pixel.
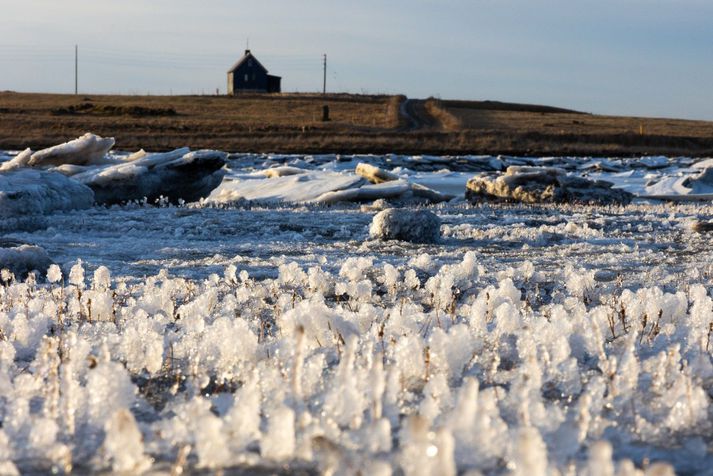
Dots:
pixel 427 364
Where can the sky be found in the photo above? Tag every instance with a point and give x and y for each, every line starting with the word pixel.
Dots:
pixel 622 57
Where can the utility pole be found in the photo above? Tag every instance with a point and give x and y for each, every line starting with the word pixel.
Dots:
pixel 324 77
pixel 76 69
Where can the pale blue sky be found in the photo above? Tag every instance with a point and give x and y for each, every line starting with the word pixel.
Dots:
pixel 629 57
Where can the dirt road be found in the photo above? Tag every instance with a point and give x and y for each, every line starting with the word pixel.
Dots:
pixel 415 112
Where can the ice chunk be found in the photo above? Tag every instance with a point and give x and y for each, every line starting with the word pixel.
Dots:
pixel 418 226
pixel 391 189
pixel 374 174
pixel 683 188
pixel 27 192
pixel 291 188
pixel 543 184
pixel 179 174
pixel 86 150
pixel 284 171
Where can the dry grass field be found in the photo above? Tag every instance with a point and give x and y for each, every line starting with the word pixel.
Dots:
pixel 291 123
pixel 549 130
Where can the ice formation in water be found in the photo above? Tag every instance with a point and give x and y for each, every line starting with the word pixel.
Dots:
pixel 374 367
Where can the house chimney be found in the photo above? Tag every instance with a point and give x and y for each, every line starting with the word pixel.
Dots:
pixel 247 52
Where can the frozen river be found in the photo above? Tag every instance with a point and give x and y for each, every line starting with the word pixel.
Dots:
pixel 260 331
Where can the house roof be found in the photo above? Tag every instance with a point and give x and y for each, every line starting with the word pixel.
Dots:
pixel 248 55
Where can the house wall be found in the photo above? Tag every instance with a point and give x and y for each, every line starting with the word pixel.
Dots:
pixel 273 84
pixel 248 77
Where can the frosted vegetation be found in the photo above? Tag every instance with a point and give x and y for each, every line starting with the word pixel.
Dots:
pixel 432 366
pixel 530 339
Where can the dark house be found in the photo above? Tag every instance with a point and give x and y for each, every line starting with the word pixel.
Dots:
pixel 248 75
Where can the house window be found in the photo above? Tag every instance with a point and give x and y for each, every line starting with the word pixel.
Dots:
pixel 246 78
pixel 250 62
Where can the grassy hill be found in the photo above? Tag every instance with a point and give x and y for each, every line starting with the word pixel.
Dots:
pixel 358 124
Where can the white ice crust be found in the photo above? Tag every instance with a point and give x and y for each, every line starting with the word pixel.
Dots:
pixel 89 149
pixel 29 191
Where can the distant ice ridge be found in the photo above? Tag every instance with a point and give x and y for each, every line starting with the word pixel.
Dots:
pixel 424 368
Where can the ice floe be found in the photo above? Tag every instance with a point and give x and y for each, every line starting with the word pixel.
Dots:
pixel 541 185
pixel 293 188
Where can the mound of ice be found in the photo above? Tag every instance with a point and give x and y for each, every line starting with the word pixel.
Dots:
pixel 86 150
pixel 175 175
pixel 684 188
pixel 21 258
pixel 28 191
pixel 417 226
pixel 543 184
pixel 296 188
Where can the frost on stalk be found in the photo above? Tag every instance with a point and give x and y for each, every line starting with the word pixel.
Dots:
pixel 230 274
pixel 600 460
pixel 102 278
pixel 423 451
pixel 123 444
pixel 529 453
pixel 54 273
pixel 243 420
pixel 345 402
pixel 109 388
pixel 278 443
pixel 141 344
pixel 76 275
